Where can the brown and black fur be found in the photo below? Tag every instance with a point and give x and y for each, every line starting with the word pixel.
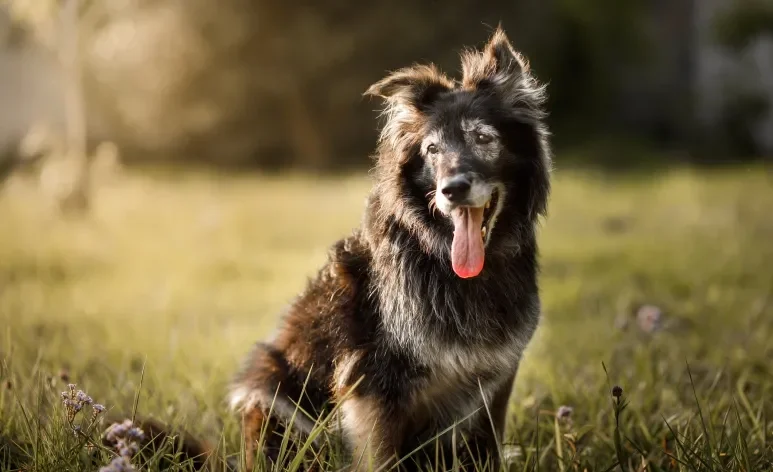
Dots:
pixel 386 333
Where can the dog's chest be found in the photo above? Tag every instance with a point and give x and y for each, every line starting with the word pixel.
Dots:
pixel 475 345
pixel 460 380
pixel 426 318
pixel 469 362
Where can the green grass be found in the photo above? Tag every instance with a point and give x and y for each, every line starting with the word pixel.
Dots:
pixel 154 299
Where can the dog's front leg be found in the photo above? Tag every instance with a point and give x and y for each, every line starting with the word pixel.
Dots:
pixel 485 444
pixel 373 431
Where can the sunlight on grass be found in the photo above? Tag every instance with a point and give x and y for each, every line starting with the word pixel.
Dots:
pixel 179 275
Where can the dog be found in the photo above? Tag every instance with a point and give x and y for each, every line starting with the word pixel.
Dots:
pixel 411 333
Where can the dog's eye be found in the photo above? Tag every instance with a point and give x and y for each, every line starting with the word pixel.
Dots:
pixel 481 138
pixel 432 149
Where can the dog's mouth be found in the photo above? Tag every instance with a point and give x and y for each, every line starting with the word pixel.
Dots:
pixel 472 230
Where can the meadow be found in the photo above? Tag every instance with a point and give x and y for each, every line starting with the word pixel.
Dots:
pixel 149 303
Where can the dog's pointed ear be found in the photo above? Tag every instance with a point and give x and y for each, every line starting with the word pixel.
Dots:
pixel 417 85
pixel 498 65
pixel 507 59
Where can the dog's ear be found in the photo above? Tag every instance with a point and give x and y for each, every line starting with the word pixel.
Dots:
pixel 497 66
pixel 417 86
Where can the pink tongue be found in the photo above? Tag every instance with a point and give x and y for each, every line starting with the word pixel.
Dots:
pixel 467 252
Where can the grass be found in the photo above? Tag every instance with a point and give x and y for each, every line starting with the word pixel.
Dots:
pixel 151 302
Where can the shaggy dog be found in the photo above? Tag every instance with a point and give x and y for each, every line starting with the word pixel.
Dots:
pixel 412 332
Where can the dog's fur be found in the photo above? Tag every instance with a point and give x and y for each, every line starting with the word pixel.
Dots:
pixel 387 334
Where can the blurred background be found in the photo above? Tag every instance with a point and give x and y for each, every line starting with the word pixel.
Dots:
pixel 279 85
pixel 212 151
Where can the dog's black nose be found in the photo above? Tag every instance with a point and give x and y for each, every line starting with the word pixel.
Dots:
pixel 456 189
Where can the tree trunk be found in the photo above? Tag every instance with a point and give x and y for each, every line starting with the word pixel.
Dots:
pixel 75 110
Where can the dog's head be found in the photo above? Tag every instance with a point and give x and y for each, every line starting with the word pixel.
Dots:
pixel 466 163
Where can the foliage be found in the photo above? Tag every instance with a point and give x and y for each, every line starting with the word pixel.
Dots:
pixel 597 44
pixel 241 82
pixel 743 22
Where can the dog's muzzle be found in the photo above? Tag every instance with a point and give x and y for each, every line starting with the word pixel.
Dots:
pixel 472 205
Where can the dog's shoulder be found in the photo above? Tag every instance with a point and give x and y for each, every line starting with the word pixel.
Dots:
pixel 328 310
pixel 342 277
pixel 350 255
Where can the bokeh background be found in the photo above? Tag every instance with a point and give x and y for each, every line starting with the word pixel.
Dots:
pixel 276 85
pixel 171 172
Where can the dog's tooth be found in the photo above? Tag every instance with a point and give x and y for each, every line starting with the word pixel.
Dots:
pixel 483 232
pixel 488 204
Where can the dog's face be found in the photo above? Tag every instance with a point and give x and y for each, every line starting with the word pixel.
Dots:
pixel 469 157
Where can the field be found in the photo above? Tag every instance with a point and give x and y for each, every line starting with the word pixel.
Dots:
pixel 150 303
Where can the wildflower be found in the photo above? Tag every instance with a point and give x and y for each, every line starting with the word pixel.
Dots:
pixel 96 410
pixel 617 391
pixel 135 434
pixel 83 398
pixel 8 385
pixel 127 449
pixel 117 430
pixel 649 318
pixel 564 412
pixel 118 464
pixel 74 401
pixel 124 438
pixel 72 407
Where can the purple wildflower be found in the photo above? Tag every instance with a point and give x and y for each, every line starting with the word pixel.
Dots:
pixel 83 398
pixel 564 412
pixel 135 434
pixel 649 318
pixel 96 410
pixel 118 464
pixel 124 438
pixel 117 430
pixel 127 449
pixel 74 401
